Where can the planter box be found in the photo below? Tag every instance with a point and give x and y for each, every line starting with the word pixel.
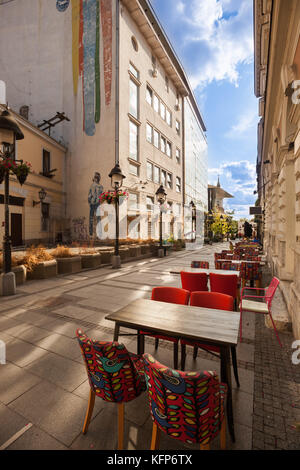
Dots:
pixel 106 256
pixel 20 274
pixel 135 250
pixel 43 270
pixel 124 253
pixel 145 249
pixel 69 265
pixel 91 260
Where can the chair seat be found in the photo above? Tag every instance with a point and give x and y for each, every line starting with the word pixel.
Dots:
pixel 208 347
pixel 253 306
pixel 166 338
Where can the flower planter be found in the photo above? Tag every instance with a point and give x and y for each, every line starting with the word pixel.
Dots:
pixel 20 274
pixel 106 256
pixel 69 265
pixel 91 260
pixel 43 270
pixel 135 251
pixel 124 253
pixel 145 249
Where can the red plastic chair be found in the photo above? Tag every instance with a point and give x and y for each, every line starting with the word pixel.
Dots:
pixel 193 281
pixel 260 303
pixel 218 302
pixel 173 295
pixel 187 406
pixel 224 283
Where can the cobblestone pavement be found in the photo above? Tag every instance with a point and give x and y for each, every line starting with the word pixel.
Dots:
pixel 44 381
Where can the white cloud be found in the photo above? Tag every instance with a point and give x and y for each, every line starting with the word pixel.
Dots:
pixel 246 122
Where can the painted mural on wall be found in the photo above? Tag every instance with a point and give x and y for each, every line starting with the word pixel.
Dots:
pixel 94 201
pixel 86 54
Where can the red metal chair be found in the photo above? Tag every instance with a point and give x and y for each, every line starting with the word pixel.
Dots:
pixel 188 406
pixel 193 281
pixel 173 295
pixel 200 264
pixel 262 304
pixel 114 374
pixel 218 302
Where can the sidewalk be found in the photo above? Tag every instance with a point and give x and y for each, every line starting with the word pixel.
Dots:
pixel 44 381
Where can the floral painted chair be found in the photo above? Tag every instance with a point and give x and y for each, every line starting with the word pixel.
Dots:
pixel 200 264
pixel 188 406
pixel 250 272
pixel 114 374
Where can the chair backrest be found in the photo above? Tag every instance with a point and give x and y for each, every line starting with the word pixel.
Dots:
pixel 173 295
pixel 185 405
pixel 212 300
pixel 111 372
pixel 270 292
pixel 250 271
pixel 200 264
pixel 218 256
pixel 193 281
pixel 223 283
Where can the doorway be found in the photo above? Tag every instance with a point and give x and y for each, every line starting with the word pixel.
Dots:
pixel 16 230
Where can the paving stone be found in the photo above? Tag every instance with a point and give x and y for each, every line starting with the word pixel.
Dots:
pixel 11 423
pixel 36 439
pixel 22 353
pixel 62 345
pixel 14 382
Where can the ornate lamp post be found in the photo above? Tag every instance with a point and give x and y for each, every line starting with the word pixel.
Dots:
pixel 161 196
pixel 9 133
pixel 42 195
pixel 117 178
pixel 193 207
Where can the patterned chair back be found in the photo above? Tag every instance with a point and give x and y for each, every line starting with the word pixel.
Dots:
pixel 200 264
pixel 218 256
pixel 111 372
pixel 270 292
pixel 250 271
pixel 187 406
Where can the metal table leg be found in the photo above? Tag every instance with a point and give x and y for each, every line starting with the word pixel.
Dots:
pixel 226 378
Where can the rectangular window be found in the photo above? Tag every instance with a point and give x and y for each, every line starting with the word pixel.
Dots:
pixel 149 133
pixel 133 202
pixel 150 203
pixel 133 98
pixel 134 71
pixel 133 169
pixel 46 162
pixel 163 144
pixel 178 184
pixel 45 209
pixel 169 149
pixel 169 181
pixel 177 127
pixel 163 177
pixel 162 111
pixel 156 138
pixel 149 95
pixel 133 140
pixel 167 84
pixel 156 174
pixel 168 117
pixel 155 103
pixel 178 155
pixel 149 171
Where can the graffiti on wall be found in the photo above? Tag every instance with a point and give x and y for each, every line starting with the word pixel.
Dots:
pixel 86 55
pixel 79 229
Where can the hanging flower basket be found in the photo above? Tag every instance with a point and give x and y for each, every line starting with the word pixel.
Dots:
pixel 22 171
pixel 112 196
pixel 6 164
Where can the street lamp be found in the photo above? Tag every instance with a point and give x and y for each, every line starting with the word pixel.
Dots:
pixel 42 195
pixel 116 177
pixel 193 207
pixel 161 196
pixel 9 133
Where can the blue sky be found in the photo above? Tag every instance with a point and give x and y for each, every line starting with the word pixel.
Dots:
pixel 214 42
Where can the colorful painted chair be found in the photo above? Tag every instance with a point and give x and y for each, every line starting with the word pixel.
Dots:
pixel 115 375
pixel 200 264
pixel 259 303
pixel 173 295
pixel 188 406
pixel 250 272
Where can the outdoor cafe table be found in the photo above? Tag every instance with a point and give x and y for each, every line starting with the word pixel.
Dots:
pixel 178 269
pixel 213 327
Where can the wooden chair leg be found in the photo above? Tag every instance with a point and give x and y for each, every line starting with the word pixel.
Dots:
pixel 204 446
pixel 183 356
pixel 121 408
pixel 156 343
pixel 195 352
pixel 89 412
pixel 155 437
pixel 175 356
pixel 223 435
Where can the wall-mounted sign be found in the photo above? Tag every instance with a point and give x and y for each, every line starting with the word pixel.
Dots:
pixel 255 210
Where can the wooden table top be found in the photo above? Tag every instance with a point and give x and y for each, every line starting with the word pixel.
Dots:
pixel 177 269
pixel 239 261
pixel 219 327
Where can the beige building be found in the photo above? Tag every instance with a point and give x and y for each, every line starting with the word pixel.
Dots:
pixel 110 68
pixel 216 195
pixel 45 221
pixel 277 85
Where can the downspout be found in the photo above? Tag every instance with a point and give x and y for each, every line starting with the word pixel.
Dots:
pixel 117 91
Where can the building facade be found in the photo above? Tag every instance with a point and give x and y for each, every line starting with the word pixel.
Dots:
pixel 216 195
pixel 109 67
pixel 277 85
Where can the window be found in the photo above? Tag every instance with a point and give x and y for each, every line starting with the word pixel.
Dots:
pixel 178 155
pixel 133 98
pixel 150 203
pixel 149 95
pixel 133 202
pixel 177 127
pixel 163 177
pixel 156 174
pixel 169 181
pixel 149 171
pixel 168 117
pixel 45 208
pixel 178 184
pixel 156 138
pixel 162 144
pixel 134 71
pixel 167 84
pixel 46 163
pixel 133 140
pixel 134 43
pixel 133 169
pixel 162 111
pixel 149 133
pixel 169 149
pixel 156 103
pixel 170 207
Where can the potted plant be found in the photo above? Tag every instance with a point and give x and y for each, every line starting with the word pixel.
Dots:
pixel 112 196
pixel 6 164
pixel 39 263
pixel 22 171
pixel 67 262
